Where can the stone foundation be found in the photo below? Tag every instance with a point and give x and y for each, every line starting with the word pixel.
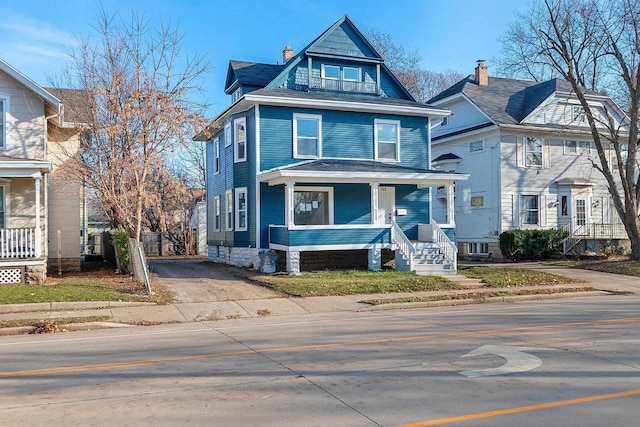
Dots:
pixel 35 274
pixel 258 259
pixel 69 265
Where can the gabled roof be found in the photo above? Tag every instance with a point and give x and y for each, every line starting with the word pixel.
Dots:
pixel 506 101
pixel 447 156
pixel 52 104
pixel 344 24
pixel 250 73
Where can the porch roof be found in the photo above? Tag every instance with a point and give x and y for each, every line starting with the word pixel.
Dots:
pixel 22 168
pixel 358 171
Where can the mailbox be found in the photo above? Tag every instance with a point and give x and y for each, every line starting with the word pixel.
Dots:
pixel 401 212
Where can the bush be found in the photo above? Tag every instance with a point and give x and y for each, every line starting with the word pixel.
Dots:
pixel 530 244
pixel 120 241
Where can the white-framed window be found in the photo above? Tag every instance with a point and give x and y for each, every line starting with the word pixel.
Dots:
pixel 236 95
pixel 387 139
pixel 478 248
pixel 240 140
pixel 331 72
pixel 216 156
pixel 577 113
pixel 577 147
pixel 351 74
pixel 529 209
pixel 229 210
pixel 533 151
pixel 476 201
pixel 307 136
pixel 476 146
pixel 4 112
pixel 241 209
pixel 216 213
pixel 445 121
pixel 313 205
pixel 624 152
pixel 227 133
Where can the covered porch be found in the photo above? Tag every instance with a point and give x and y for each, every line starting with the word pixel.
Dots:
pixel 342 205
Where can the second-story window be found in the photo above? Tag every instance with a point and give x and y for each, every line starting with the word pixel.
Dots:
pixel 533 151
pixel 387 140
pixel 307 136
pixel 227 134
pixel 216 156
pixel 240 140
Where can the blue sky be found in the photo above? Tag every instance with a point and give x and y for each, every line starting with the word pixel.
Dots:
pixel 449 34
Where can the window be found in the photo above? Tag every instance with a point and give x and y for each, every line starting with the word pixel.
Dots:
pixel 387 140
pixel 241 209
pixel 345 78
pixel 477 201
pixel 240 140
pixel 564 206
pixel 229 216
pixel 236 95
pixel 624 152
pixel 478 248
pixel 330 72
pixel 530 209
pixel 313 206
pixel 227 134
pixel 533 151
pixel 445 121
pixel 307 130
pixel 216 156
pixel 351 74
pixel 476 146
pixel 577 147
pixel 578 114
pixel 216 213
pixel 4 109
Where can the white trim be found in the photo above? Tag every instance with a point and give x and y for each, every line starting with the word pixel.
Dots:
pixel 216 155
pixel 237 211
pixel 328 190
pixel 4 123
pixel 526 152
pixel 318 118
pixel 441 139
pixel 227 133
pixel 236 158
pixel 335 226
pixel 465 97
pixel 375 139
pixel 22 263
pixel 357 79
pixel 217 212
pixel 278 177
pixel 228 225
pixel 323 74
pixel 257 183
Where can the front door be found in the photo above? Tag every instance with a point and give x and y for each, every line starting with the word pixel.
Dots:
pixel 580 213
pixel 386 203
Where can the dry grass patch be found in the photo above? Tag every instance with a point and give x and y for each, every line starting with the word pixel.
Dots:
pixel 503 277
pixel 616 265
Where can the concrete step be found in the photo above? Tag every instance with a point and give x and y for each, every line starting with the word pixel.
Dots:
pixel 466 282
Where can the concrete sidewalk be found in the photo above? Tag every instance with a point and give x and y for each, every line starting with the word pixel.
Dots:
pixel 122 314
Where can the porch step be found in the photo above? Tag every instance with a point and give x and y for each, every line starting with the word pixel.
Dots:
pixel 466 282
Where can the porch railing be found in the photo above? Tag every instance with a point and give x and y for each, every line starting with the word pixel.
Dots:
pixel 19 243
pixel 407 249
pixel 592 231
pixel 344 85
pixel 447 247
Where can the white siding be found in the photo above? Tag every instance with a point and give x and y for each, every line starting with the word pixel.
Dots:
pixel 465 115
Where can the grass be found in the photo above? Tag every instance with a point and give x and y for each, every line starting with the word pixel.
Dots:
pixel 615 265
pixel 62 321
pixel 353 283
pixel 501 277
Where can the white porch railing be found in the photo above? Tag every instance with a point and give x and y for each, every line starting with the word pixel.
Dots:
pixel 404 244
pixel 19 243
pixel 447 247
pixel 592 231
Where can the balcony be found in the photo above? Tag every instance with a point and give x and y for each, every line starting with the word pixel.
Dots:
pixel 344 86
pixel 19 243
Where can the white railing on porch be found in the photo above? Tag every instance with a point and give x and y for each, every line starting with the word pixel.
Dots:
pixel 404 244
pixel 19 243
pixel 591 231
pixel 447 247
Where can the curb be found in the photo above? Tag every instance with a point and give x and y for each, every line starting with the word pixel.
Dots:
pixel 62 306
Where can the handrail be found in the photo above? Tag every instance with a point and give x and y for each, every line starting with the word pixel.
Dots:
pixel 407 249
pixel 447 247
pixel 592 231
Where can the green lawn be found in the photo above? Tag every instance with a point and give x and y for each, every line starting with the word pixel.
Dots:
pixel 353 282
pixel 502 277
pixel 616 265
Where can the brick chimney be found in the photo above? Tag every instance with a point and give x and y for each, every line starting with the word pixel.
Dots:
pixel 482 73
pixel 287 53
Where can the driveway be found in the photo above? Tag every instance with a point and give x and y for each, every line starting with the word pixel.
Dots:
pixel 195 280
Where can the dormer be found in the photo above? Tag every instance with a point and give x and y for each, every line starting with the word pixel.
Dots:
pixel 244 77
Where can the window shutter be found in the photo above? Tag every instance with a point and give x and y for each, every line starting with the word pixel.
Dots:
pixel 520 152
pixel 546 161
pixel 543 211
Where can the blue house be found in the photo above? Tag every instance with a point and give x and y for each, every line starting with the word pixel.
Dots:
pixel 323 162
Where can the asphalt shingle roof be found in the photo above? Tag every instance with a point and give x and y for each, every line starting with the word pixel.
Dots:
pixel 339 165
pixel 255 73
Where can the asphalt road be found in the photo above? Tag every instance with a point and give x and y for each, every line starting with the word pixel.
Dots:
pixel 570 362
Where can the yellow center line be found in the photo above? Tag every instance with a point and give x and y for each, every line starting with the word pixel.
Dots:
pixel 144 362
pixel 521 409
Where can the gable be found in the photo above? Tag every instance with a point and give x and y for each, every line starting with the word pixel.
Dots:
pixel 343 40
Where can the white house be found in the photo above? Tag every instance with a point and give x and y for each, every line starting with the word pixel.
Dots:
pixel 528 149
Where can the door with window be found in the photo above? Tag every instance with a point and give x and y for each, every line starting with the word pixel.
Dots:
pixel 386 203
pixel 580 214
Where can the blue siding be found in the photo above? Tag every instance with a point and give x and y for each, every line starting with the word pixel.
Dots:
pixel 330 237
pixel 352 203
pixel 416 202
pixel 244 176
pixel 345 135
pixel 272 210
pixel 389 87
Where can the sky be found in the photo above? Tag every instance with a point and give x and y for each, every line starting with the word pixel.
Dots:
pixel 35 35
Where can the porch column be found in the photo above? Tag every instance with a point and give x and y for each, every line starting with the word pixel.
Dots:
pixel 38 232
pixel 374 202
pixel 450 205
pixel 288 197
pixel 293 262
pixel 375 259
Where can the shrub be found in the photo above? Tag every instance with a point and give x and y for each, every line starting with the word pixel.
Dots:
pixel 120 240
pixel 530 244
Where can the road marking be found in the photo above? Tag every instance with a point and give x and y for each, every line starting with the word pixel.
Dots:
pixel 143 362
pixel 521 409
pixel 516 360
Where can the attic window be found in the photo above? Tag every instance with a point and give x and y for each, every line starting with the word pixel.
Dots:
pixel 236 95
pixel 578 114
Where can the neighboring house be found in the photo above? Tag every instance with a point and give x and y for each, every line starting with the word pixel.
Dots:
pixel 528 149
pixel 322 162
pixel 39 205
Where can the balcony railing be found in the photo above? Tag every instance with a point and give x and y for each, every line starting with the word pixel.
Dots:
pixel 344 85
pixel 19 243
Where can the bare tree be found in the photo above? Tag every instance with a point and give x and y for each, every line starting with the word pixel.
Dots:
pixel 422 84
pixel 136 86
pixel 593 44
